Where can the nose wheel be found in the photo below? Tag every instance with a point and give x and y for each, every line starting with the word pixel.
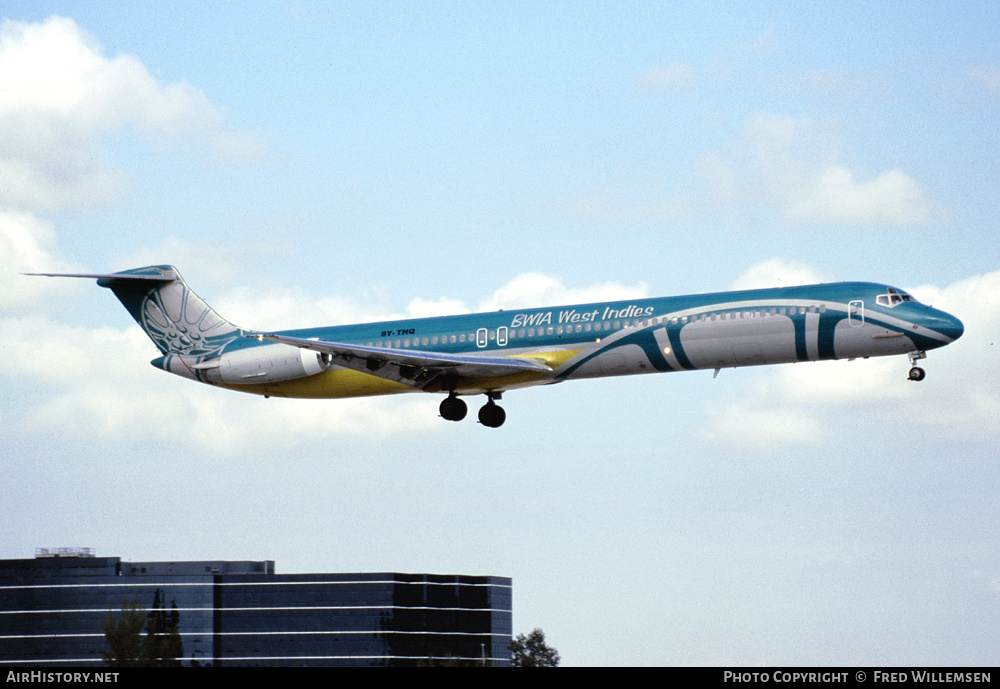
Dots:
pixel 917 373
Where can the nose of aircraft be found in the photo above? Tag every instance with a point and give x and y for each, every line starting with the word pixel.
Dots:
pixel 950 326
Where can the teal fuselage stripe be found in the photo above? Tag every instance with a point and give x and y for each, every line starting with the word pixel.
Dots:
pixel 801 350
pixel 827 327
pixel 645 339
pixel 674 335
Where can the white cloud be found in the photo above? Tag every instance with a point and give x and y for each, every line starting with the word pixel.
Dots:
pixel 988 76
pixel 61 94
pixel 671 77
pixel 291 308
pixel 428 308
pixel 536 289
pixel 806 403
pixel 778 272
pixel 282 309
pixel 27 244
pixel 96 382
pixel 789 166
pixel 892 198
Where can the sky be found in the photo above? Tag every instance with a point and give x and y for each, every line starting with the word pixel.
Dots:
pixel 315 163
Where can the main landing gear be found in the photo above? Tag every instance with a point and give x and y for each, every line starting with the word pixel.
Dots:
pixel 491 414
pixel 917 373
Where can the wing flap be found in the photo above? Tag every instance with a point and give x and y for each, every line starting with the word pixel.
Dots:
pixel 416 368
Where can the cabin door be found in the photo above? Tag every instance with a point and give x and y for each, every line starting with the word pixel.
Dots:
pixel 856 313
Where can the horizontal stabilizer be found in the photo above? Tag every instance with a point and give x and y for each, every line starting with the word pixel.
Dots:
pixel 105 276
pixel 176 319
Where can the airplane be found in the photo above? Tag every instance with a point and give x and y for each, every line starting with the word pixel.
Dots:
pixel 491 353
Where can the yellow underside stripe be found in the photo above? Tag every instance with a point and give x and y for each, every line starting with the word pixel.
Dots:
pixel 342 383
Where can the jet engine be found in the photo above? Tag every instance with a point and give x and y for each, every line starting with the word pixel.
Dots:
pixel 267 364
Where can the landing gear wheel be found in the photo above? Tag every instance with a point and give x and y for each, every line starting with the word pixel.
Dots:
pixel 453 409
pixel 917 373
pixel 492 415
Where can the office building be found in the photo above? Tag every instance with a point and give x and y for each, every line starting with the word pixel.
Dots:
pixel 243 614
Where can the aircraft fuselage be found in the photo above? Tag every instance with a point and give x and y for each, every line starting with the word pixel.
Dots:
pixel 711 331
pixel 490 353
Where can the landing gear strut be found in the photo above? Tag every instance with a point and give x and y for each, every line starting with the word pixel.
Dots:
pixel 917 373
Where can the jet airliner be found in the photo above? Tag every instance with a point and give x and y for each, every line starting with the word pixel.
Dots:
pixel 491 353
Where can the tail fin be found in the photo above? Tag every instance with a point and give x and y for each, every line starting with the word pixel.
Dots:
pixel 175 318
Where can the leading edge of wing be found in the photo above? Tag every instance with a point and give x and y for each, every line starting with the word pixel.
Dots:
pixel 416 368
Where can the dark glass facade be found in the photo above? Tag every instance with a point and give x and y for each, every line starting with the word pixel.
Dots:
pixel 243 614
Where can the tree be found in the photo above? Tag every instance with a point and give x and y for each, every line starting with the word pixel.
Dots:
pixel 127 647
pixel 532 651
pixel 162 645
pixel 123 636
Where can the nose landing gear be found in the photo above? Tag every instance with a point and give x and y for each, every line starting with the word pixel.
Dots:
pixel 917 373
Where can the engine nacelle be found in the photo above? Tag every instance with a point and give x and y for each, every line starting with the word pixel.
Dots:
pixel 267 364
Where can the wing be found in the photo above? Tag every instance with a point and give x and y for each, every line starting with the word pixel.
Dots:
pixel 418 369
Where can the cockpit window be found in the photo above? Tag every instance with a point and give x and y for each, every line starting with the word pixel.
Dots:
pixel 893 298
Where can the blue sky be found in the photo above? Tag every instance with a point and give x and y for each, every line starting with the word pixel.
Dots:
pixel 317 163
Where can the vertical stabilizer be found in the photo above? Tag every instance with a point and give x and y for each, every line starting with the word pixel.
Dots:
pixel 176 319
